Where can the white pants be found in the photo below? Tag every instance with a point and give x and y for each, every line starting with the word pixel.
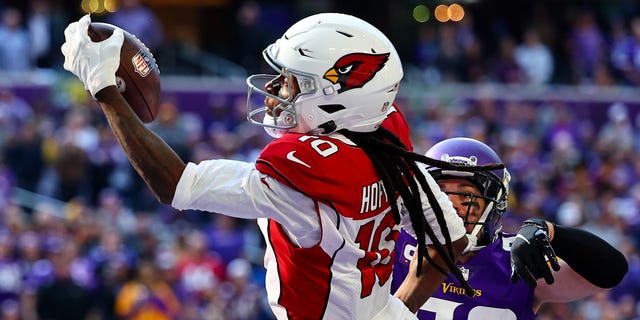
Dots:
pixel 395 310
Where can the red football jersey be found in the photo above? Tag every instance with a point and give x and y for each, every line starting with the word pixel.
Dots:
pixel 349 271
pixel 326 219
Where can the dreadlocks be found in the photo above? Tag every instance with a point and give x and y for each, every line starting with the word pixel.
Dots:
pixel 395 163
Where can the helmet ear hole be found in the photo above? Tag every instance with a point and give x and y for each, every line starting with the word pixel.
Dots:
pixel 328 127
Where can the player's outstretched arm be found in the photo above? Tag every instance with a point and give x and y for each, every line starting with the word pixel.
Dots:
pixel 587 265
pixel 158 165
pixel 588 255
pixel 95 64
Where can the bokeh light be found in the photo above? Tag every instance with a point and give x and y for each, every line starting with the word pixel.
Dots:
pixel 94 6
pixel 441 13
pixel 421 13
pixel 455 12
pixel 111 5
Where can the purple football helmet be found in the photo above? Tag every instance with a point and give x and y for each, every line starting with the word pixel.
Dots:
pixel 494 185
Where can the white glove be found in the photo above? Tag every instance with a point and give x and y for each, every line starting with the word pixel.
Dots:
pixel 95 63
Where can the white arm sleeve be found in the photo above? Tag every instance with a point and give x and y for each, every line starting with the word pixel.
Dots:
pixel 238 189
pixel 454 222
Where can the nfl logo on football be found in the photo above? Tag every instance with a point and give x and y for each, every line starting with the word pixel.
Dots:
pixel 141 64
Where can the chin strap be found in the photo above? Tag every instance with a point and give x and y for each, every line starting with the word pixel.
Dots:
pixel 472 245
pixel 473 236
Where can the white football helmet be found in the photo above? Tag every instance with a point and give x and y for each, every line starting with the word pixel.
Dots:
pixel 347 70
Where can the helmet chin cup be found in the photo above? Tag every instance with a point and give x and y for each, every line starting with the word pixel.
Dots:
pixel 273 126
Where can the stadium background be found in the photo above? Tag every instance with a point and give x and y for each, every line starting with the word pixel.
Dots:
pixel 82 238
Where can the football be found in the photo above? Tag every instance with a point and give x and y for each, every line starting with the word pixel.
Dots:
pixel 138 76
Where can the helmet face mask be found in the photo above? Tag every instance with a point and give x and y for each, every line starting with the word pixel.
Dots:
pixel 347 72
pixel 279 119
pixel 493 186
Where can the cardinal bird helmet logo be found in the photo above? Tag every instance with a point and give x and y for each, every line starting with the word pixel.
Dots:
pixel 355 70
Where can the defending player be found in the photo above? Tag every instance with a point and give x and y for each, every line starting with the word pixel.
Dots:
pixel 325 191
pixel 588 264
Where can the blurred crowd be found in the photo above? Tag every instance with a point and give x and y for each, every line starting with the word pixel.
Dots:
pixel 529 42
pixel 81 237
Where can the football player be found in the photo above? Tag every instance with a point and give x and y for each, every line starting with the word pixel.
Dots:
pixel 330 193
pixel 496 263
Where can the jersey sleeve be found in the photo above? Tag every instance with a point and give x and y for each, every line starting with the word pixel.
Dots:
pixel 237 189
pixel 217 186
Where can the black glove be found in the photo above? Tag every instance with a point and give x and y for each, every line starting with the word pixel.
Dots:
pixel 530 252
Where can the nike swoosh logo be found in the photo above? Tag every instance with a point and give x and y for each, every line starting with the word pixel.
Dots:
pixel 293 158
